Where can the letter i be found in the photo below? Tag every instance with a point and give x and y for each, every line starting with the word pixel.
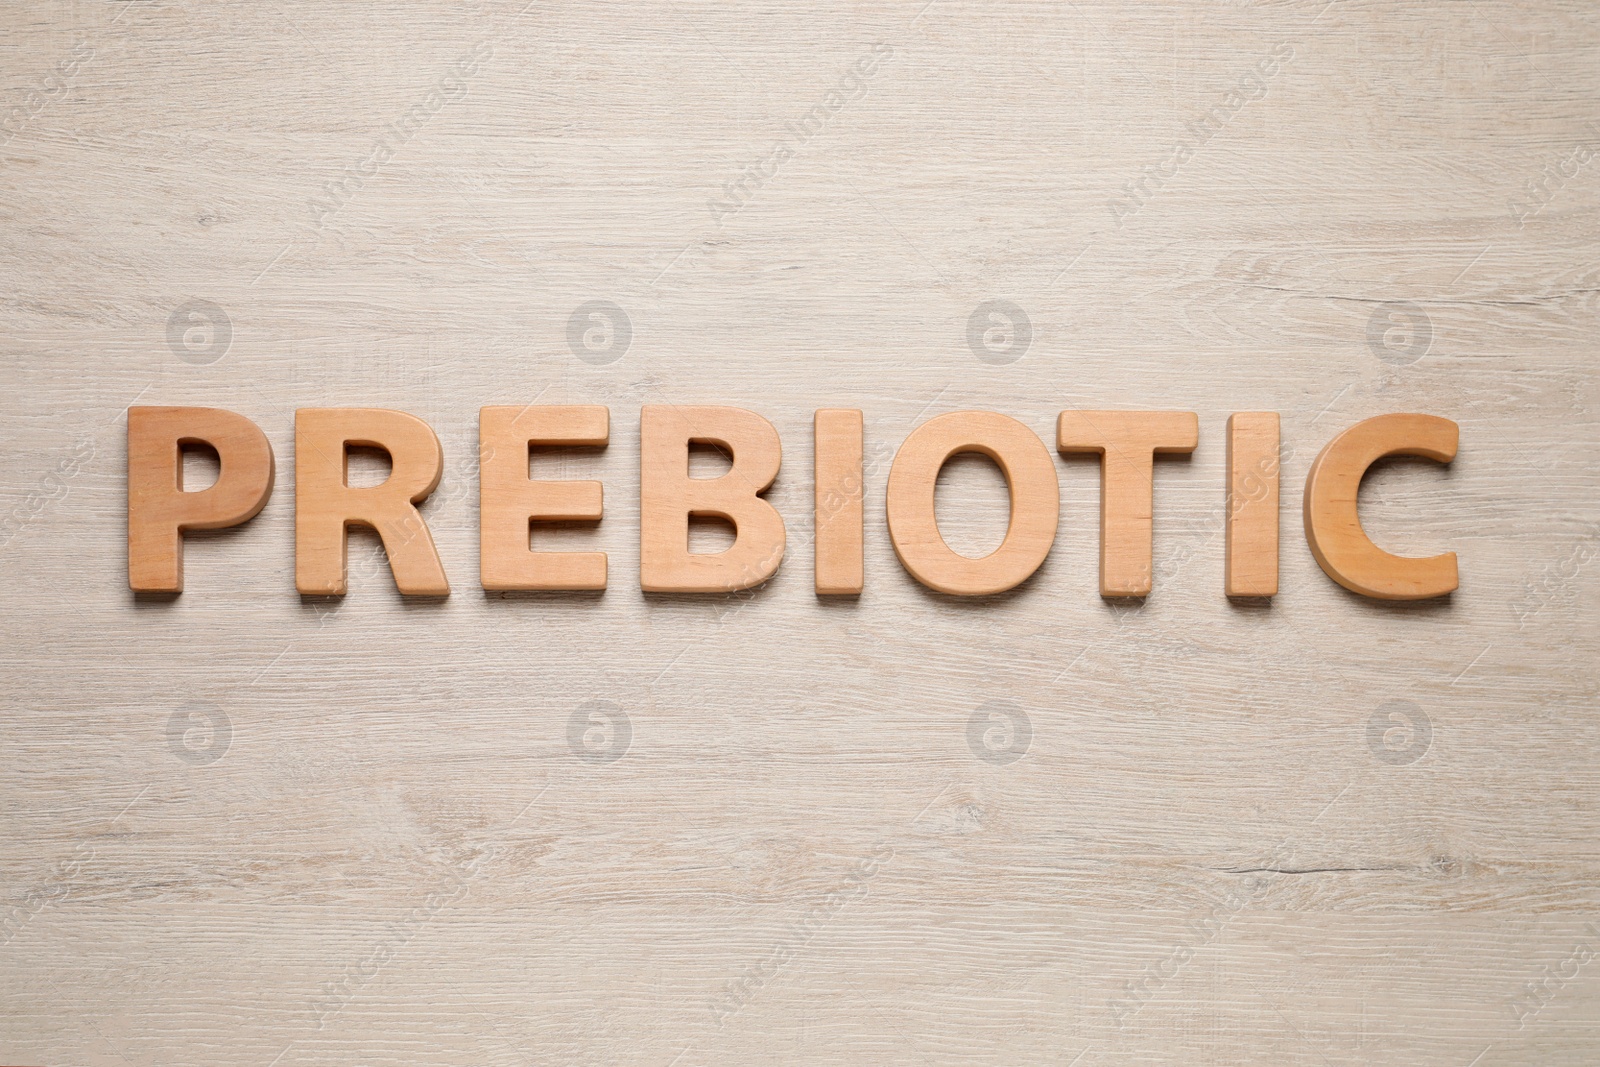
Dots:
pixel 838 435
pixel 1251 531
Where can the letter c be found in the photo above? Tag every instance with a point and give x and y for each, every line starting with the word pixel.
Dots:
pixel 1333 523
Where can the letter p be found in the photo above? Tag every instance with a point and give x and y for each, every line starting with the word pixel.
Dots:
pixel 160 510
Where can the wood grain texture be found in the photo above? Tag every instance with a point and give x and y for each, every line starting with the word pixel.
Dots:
pixel 510 505
pixel 838 437
pixel 161 509
pixel 327 506
pixel 1251 541
pixel 671 496
pixel 1127 443
pixel 1033 503
pixel 240 827
pixel 1332 516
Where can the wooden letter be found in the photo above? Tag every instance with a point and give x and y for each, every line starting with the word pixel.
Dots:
pixel 1250 535
pixel 1126 442
pixel 509 501
pixel 325 506
pixel 1035 502
pixel 668 496
pixel 838 435
pixel 1333 524
pixel 159 510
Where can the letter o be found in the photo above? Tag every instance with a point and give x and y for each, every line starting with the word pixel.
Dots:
pixel 1030 476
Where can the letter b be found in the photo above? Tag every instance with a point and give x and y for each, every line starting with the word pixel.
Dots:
pixel 668 496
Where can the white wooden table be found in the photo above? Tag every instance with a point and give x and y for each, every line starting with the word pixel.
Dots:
pixel 242 828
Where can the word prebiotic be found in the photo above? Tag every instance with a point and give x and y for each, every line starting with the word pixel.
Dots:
pixel 512 503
